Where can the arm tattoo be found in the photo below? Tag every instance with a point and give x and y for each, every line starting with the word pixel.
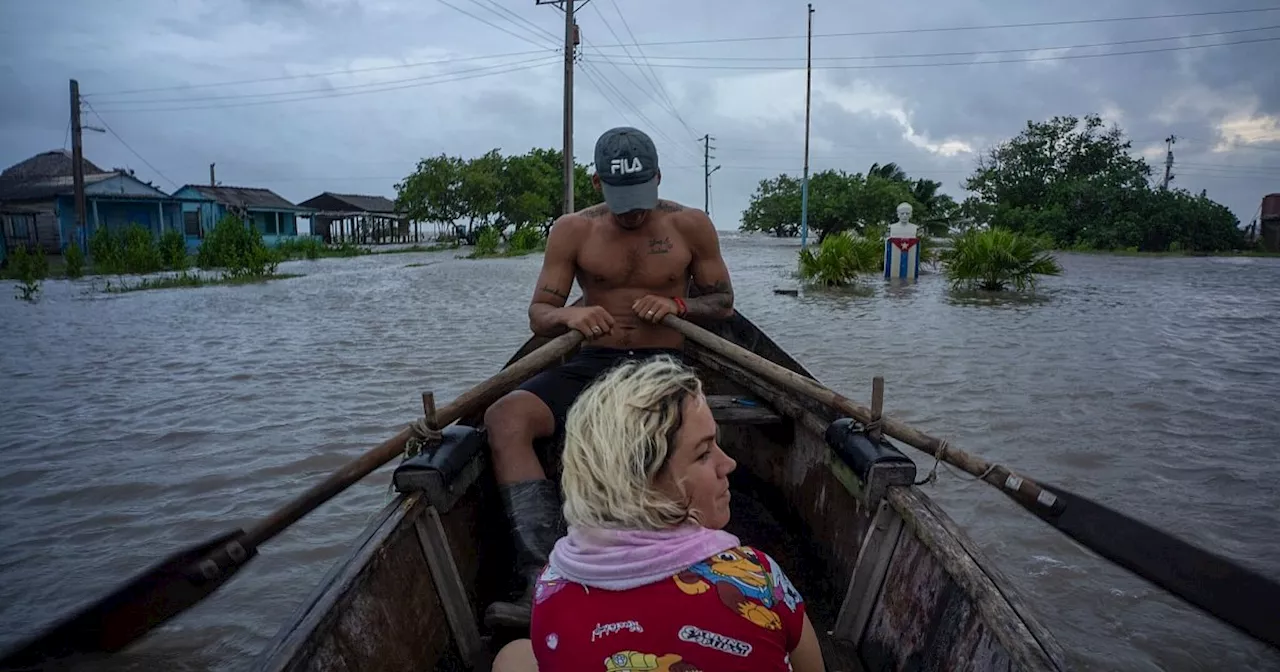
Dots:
pixel 555 292
pixel 713 300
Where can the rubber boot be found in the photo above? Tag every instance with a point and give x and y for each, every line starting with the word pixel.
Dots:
pixel 536 523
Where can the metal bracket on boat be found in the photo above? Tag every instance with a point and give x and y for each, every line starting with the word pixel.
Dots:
pixel 863 448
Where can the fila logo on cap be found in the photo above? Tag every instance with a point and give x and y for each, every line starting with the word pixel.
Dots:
pixel 625 166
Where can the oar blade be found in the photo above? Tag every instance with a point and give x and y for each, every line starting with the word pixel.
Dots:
pixel 1233 593
pixel 155 595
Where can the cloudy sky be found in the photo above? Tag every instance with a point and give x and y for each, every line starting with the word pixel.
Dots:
pixel 346 95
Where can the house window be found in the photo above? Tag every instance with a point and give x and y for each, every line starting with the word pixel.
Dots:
pixel 266 222
pixel 191 223
pixel 20 228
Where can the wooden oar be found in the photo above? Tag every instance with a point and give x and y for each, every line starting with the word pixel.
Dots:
pixel 1236 595
pixel 183 579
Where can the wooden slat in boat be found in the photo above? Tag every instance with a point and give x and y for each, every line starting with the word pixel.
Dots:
pixel 891 584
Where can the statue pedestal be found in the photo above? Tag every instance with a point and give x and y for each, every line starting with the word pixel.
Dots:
pixel 902 253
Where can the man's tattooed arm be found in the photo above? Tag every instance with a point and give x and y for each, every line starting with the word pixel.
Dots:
pixel 546 309
pixel 714 300
pixel 711 282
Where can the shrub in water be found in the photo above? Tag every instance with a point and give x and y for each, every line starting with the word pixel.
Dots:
pixel 840 259
pixel 526 239
pixel 29 268
pixel 237 248
pixel 73 257
pixel 487 241
pixel 140 254
pixel 105 251
pixel 995 258
pixel 173 250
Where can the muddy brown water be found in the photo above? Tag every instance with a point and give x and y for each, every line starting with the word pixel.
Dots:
pixel 135 424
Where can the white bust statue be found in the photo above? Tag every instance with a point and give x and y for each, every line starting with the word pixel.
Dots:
pixel 904 213
pixel 903 228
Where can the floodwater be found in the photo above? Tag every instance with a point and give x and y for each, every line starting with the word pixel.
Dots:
pixel 136 424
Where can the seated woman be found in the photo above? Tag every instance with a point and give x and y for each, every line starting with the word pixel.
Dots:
pixel 646 579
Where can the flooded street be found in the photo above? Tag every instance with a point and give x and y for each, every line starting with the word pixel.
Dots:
pixel 136 424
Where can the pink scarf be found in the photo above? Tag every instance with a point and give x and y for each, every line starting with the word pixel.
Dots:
pixel 624 559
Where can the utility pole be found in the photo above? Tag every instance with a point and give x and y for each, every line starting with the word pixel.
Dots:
pixel 1168 161
pixel 570 48
pixel 707 170
pixel 804 185
pixel 212 181
pixel 77 161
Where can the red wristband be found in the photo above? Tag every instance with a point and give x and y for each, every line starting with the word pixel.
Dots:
pixel 681 308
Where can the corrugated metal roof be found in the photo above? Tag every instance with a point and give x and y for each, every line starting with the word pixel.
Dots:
pixel 367 203
pixel 245 197
pixel 47 187
pixel 45 175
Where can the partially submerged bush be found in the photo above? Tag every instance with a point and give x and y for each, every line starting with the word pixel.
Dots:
pixel 238 249
pixel 840 259
pixel 29 268
pixel 526 239
pixel 73 257
pixel 173 250
pixel 995 258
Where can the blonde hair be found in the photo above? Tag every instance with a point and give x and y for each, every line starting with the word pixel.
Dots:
pixel 619 434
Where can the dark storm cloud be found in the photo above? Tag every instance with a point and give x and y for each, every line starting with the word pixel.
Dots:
pixel 931 120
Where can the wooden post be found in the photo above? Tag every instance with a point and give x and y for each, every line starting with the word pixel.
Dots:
pixel 77 158
pixel 429 409
pixel 877 406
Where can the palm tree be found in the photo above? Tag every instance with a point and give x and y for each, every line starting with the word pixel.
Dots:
pixel 889 171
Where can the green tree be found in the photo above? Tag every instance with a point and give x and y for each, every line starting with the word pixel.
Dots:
pixel 774 208
pixel 431 192
pixel 1075 182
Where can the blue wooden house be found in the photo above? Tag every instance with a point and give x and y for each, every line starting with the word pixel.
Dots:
pixel 204 206
pixel 37 203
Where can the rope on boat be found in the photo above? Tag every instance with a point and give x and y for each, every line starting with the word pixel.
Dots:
pixel 937 459
pixel 424 434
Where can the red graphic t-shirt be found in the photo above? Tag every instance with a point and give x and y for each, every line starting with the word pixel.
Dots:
pixel 735 610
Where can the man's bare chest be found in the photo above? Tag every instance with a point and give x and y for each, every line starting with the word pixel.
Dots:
pixel 657 260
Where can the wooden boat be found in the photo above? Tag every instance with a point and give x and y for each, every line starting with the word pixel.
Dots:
pixel 891 582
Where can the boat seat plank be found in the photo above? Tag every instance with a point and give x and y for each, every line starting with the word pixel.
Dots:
pixel 737 409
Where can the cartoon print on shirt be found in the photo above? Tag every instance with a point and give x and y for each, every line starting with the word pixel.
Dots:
pixel 549 583
pixel 783 591
pixel 635 661
pixel 741 583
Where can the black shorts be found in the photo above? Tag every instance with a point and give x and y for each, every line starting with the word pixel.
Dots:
pixel 559 387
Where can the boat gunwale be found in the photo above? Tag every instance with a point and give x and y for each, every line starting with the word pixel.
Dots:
pixel 309 617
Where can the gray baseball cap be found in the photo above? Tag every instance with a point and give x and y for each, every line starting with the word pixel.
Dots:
pixel 627 163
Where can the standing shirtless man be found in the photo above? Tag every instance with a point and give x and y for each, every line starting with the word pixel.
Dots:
pixel 633 256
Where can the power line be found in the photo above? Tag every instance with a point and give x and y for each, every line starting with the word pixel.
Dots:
pixel 587 65
pixel 884 66
pixel 653 76
pixel 656 98
pixel 903 31
pixel 489 23
pixel 348 87
pixel 126 145
pixel 445 77
pixel 331 73
pixel 960 53
pixel 536 29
